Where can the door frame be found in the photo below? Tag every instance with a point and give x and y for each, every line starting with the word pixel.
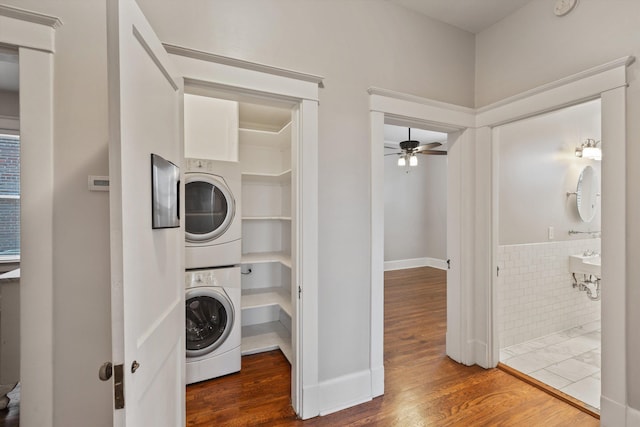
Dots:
pixel 243 80
pixel 34 36
pixel 608 82
pixel 396 108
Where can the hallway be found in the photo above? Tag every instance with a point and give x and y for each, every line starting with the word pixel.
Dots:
pixel 423 387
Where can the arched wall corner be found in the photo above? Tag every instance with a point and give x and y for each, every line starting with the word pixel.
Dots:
pixel 33 34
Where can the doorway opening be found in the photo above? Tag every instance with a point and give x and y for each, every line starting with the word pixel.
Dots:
pixel 9 237
pixel 549 212
pixel 264 147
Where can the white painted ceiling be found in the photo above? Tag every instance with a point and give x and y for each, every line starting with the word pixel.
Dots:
pixel 470 15
pixel 263 117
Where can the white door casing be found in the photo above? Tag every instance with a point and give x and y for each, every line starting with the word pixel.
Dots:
pixel 407 110
pixel 147 265
pixel 33 34
pixel 217 76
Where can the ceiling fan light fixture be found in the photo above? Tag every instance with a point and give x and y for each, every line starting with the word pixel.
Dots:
pixel 413 160
pixel 402 161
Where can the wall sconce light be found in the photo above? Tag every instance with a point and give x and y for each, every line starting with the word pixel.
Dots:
pixel 589 150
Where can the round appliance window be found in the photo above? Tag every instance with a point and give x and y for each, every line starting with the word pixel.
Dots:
pixel 209 208
pixel 209 319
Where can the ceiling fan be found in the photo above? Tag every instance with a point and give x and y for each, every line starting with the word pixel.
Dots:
pixel 410 148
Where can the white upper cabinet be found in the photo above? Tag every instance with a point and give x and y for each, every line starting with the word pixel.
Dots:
pixel 210 128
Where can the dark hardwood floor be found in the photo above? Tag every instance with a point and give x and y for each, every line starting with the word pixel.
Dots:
pixel 423 387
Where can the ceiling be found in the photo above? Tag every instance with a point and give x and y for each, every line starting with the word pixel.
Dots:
pixel 263 117
pixel 470 15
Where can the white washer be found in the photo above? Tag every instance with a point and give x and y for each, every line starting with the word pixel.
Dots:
pixel 213 324
pixel 213 232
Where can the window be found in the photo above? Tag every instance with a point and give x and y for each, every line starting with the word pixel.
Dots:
pixel 9 196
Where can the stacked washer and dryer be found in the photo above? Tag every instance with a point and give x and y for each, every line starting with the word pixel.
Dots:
pixel 212 259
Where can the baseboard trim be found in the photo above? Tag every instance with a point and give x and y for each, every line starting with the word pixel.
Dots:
pixel 633 417
pixel 377 381
pixel 612 414
pixel 310 402
pixel 344 392
pixel 481 354
pixel 402 264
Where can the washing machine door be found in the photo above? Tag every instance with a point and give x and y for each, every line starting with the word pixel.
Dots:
pixel 209 320
pixel 209 207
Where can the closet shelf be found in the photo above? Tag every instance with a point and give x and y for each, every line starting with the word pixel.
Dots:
pixel 266 218
pixel 266 337
pixel 262 297
pixel 267 177
pixel 266 257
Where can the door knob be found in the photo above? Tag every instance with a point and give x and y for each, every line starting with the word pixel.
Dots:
pixel 105 371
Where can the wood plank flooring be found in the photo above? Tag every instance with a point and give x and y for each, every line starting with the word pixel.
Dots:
pixel 423 387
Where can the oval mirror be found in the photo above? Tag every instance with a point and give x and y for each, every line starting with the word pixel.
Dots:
pixel 587 194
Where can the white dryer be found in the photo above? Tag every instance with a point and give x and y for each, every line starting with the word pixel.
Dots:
pixel 213 324
pixel 213 230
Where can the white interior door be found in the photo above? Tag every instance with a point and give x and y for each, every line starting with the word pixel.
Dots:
pixel 147 265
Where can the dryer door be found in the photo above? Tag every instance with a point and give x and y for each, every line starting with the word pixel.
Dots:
pixel 209 207
pixel 209 319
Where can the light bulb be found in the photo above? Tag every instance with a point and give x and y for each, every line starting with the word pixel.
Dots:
pixel 594 153
pixel 402 161
pixel 413 160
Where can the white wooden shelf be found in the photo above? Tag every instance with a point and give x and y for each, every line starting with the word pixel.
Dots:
pixel 266 257
pixel 262 297
pixel 266 337
pixel 266 218
pixel 267 177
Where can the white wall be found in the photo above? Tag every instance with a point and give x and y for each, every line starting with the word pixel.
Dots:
pixel 533 47
pixel 537 166
pixel 81 329
pixel 415 210
pixel 353 44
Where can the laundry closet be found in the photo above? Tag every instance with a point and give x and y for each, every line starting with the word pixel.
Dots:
pixel 224 138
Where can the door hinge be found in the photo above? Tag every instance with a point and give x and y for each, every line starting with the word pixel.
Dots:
pixel 118 386
pixel 497 271
pixel 299 292
pixel 448 264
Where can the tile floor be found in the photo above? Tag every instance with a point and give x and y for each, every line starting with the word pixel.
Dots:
pixel 568 361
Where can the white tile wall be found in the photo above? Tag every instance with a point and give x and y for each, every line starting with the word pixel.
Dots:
pixel 535 296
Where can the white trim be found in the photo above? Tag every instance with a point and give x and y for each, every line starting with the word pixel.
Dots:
pixel 610 86
pixel 36 217
pixel 28 16
pixel 244 81
pixel 476 335
pixel 19 27
pixel 242 64
pixel 564 92
pixel 400 108
pixel 633 417
pixel 616 64
pixel 344 392
pixel 219 73
pixel 402 264
pixel 612 414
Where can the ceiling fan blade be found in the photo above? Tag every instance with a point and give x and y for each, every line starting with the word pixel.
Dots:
pixel 393 154
pixel 428 146
pixel 433 152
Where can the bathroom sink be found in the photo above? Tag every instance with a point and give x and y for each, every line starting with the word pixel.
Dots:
pixel 585 264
